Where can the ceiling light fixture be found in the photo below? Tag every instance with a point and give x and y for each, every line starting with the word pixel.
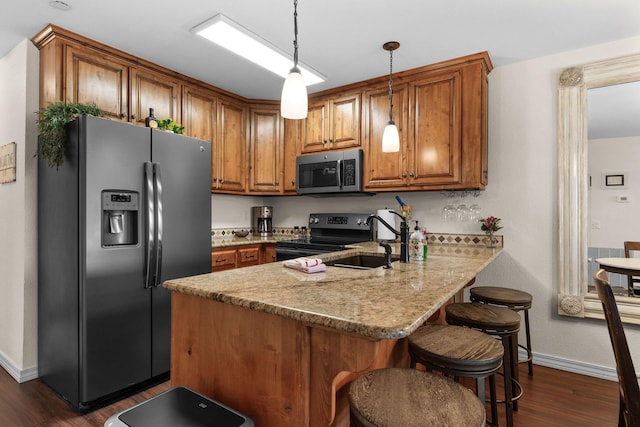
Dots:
pixel 390 136
pixel 227 33
pixel 60 5
pixel 294 102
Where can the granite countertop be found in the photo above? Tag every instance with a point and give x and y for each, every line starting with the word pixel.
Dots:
pixel 376 303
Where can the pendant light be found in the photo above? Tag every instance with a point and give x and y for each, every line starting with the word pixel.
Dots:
pixel 390 136
pixel 294 101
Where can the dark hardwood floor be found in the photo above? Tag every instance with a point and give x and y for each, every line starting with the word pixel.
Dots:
pixel 551 398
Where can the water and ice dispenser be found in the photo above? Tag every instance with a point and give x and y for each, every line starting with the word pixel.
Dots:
pixel 120 210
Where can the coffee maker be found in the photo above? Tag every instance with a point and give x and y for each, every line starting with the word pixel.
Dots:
pixel 261 217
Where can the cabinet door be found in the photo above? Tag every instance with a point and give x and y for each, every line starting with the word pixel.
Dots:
pixel 223 259
pixel 435 140
pixel 269 253
pixel 150 89
pixel 92 77
pixel 198 118
pixel 315 127
pixel 230 145
pixel 344 124
pixel 248 256
pixel 265 150
pixel 385 169
pixel 291 149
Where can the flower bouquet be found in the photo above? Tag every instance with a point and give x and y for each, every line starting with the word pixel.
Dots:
pixel 490 225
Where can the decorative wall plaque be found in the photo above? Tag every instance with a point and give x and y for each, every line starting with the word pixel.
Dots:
pixel 8 163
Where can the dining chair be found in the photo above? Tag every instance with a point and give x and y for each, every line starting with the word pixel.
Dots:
pixel 628 248
pixel 629 413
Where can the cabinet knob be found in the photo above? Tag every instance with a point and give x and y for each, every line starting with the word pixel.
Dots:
pixel 293 183
pixel 411 174
pixel 330 139
pixel 404 175
pixel 249 256
pixel 123 115
pixel 277 183
pixel 215 179
pixel 221 180
pixel 221 260
pixel 324 141
pixel 133 116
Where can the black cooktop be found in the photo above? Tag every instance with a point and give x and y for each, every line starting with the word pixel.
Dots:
pixel 310 243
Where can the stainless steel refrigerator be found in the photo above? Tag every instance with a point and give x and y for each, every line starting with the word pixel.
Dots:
pixel 129 208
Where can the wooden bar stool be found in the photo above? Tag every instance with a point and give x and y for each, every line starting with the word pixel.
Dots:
pixel 503 323
pixel 514 299
pixel 457 351
pixel 412 398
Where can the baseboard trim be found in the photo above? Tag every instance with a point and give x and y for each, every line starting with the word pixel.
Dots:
pixel 20 375
pixel 554 362
pixel 569 365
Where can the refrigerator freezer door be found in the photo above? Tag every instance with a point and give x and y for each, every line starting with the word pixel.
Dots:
pixel 115 309
pixel 185 165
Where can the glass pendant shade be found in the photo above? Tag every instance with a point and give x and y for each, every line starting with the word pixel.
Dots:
pixel 294 100
pixel 390 138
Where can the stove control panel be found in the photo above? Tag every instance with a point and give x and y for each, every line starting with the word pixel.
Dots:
pixel 350 221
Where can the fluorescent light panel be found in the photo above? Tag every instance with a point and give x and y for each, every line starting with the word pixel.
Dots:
pixel 234 37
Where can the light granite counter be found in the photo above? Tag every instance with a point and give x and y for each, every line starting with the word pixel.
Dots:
pixel 377 303
pixel 281 346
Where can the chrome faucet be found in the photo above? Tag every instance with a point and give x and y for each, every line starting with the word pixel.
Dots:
pixel 403 233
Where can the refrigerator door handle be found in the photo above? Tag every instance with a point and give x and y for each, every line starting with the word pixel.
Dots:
pixel 157 176
pixel 151 226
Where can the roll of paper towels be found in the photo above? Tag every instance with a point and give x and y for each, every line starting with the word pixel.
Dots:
pixel 383 232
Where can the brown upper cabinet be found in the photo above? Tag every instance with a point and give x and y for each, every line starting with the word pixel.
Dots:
pixel 150 89
pixel 222 121
pixel 332 123
pixel 83 67
pixel 440 110
pixel 265 150
pixel 123 90
pixel 441 115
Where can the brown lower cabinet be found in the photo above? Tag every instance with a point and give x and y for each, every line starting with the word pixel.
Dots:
pixel 242 256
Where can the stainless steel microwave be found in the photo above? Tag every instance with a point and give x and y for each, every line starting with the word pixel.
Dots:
pixel 331 172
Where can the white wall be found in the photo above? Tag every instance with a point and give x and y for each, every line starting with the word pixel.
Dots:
pixel 610 223
pixel 18 220
pixel 522 191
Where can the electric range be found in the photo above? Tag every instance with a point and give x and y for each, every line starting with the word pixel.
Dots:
pixel 330 232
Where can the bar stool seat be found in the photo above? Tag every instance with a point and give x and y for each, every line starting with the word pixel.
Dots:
pixel 457 351
pixel 497 321
pixel 411 398
pixel 514 299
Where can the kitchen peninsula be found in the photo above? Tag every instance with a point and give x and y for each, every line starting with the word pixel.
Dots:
pixel 281 346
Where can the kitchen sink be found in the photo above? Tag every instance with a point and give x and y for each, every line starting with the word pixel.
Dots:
pixel 363 262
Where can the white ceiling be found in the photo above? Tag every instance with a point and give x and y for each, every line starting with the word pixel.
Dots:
pixel 340 38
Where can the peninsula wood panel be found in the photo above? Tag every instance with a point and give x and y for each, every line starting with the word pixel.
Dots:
pixel 254 362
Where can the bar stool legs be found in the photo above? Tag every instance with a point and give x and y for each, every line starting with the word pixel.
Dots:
pixel 500 322
pixel 456 351
pixel 513 299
